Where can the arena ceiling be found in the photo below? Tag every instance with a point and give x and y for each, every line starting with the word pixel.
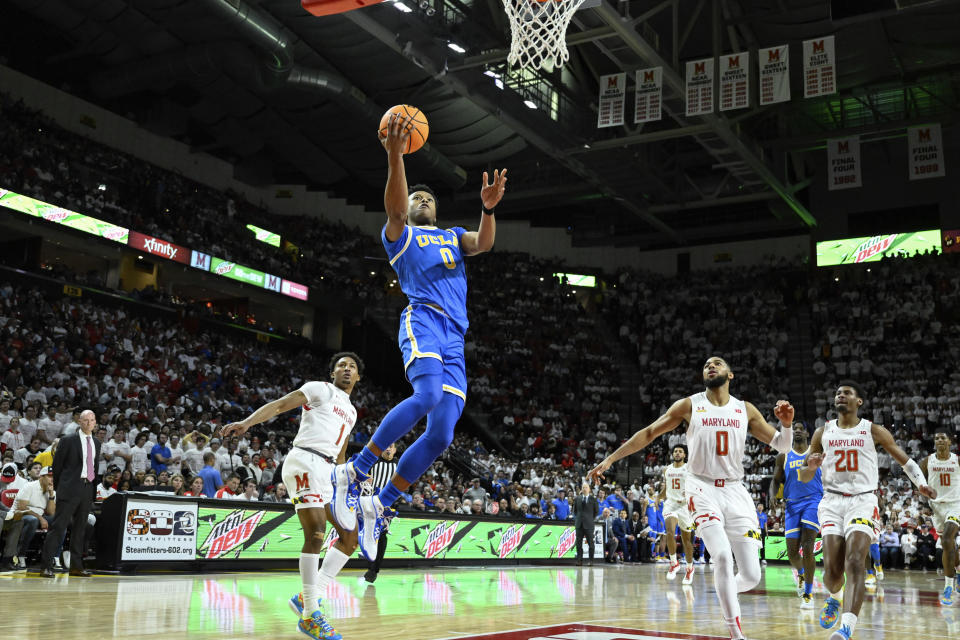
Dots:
pixel 293 98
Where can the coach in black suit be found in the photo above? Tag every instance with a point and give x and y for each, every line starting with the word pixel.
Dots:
pixel 585 511
pixel 74 480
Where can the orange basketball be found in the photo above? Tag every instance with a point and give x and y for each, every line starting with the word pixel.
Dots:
pixel 420 131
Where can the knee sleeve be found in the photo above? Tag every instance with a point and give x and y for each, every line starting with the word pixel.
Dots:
pixel 748 564
pixel 717 543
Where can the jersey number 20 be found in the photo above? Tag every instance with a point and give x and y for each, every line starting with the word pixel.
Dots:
pixel 848 460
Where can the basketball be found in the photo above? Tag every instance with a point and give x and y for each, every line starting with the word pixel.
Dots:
pixel 421 128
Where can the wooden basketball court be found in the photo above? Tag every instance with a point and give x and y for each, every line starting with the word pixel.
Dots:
pixel 526 603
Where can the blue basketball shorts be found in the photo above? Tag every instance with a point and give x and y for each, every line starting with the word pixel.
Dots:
pixel 426 332
pixel 801 514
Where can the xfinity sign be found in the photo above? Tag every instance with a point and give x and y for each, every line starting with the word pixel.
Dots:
pixel 158 247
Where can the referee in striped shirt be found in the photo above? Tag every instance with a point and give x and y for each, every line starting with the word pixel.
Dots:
pixel 380 476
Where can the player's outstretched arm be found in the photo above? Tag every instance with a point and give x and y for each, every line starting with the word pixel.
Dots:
pixel 807 472
pixel 270 410
pixel 885 439
pixel 780 440
pixel 480 241
pixel 395 196
pixel 677 413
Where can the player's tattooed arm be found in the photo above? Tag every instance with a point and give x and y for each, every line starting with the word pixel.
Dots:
pixel 814 458
pixel 270 410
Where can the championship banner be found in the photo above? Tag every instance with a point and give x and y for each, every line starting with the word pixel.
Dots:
pixel 252 534
pixel 735 81
pixel 843 160
pixel 819 67
pixel 613 94
pixel 649 95
pixel 925 145
pixel 774 74
pixel 159 530
pixel 700 87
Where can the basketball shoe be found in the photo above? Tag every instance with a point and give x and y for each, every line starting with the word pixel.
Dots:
pixel 346 488
pixel 296 603
pixel 807 602
pixel 316 626
pixel 672 571
pixel 870 580
pixel 946 598
pixel 843 633
pixel 830 613
pixel 688 574
pixel 800 587
pixel 879 570
pixel 374 519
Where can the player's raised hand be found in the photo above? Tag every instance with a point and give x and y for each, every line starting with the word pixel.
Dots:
pixel 930 492
pixel 234 428
pixel 398 133
pixel 596 474
pixel 784 412
pixel 814 460
pixel 492 192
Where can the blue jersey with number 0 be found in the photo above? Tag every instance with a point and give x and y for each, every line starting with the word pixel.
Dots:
pixel 793 488
pixel 429 266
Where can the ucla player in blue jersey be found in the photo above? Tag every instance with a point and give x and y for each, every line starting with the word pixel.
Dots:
pixel 655 520
pixel 800 522
pixel 429 263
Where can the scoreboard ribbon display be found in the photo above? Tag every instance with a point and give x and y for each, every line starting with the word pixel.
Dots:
pixel 242 533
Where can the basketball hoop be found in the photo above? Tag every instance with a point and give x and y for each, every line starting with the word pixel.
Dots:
pixel 538 29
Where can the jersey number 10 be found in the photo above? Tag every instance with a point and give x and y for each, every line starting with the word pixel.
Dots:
pixel 944 479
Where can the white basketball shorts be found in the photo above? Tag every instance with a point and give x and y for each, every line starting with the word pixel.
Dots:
pixel 307 477
pixel 944 512
pixel 842 515
pixel 679 511
pixel 725 502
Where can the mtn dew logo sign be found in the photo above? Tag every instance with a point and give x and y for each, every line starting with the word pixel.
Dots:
pixel 511 540
pixel 566 542
pixel 440 538
pixel 873 246
pixel 229 534
pixel 238 272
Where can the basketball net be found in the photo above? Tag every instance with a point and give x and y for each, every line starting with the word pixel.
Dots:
pixel 538 31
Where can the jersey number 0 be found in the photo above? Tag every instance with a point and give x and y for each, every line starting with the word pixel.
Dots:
pixel 447 256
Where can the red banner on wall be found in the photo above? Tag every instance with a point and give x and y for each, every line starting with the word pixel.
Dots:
pixel 158 247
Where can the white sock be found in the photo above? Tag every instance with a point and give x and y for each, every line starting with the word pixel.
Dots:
pixel 838 596
pixel 715 538
pixel 733 626
pixel 673 559
pixel 309 566
pixel 332 564
pixel 849 619
pixel 947 582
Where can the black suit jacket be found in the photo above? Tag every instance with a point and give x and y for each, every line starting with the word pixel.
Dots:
pixel 68 465
pixel 584 515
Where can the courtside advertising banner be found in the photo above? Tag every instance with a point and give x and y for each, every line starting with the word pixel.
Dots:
pixel 249 533
pixel 774 74
pixel 649 94
pixel 237 272
pixel 735 81
pixel 59 215
pixel 160 530
pixel 613 95
pixel 158 247
pixel 819 67
pixel 875 248
pixel 700 87
pixel 843 163
pixel 925 145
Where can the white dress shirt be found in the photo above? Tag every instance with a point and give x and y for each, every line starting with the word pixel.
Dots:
pixel 87 441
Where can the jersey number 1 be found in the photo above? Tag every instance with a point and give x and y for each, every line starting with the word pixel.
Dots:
pixel 343 428
pixel 723 443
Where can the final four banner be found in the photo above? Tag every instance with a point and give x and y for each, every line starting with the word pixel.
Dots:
pixel 843 162
pixel 735 81
pixel 649 94
pixel 774 74
pixel 613 94
pixel 819 67
pixel 700 87
pixel 925 144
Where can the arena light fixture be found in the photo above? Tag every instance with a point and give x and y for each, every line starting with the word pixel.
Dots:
pixel 530 104
pixel 400 6
pixel 456 47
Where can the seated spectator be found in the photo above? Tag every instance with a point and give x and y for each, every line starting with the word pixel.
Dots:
pixel 908 544
pixel 229 490
pixel 889 548
pixel 196 488
pixel 250 492
pixel 926 549
pixel 105 488
pixel 39 499
pixel 178 484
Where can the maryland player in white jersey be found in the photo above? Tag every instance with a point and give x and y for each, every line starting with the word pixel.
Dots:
pixel 943 470
pixel 675 512
pixel 717 502
pixel 846 449
pixel 326 420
